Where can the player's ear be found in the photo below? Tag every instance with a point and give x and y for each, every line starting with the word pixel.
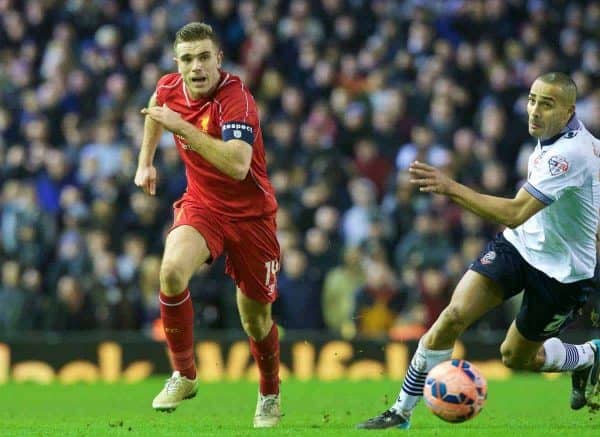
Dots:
pixel 570 111
pixel 219 58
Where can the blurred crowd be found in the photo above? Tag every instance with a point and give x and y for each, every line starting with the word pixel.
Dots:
pixel 349 91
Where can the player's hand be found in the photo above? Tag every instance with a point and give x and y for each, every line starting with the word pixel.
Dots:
pixel 164 115
pixel 145 178
pixel 429 179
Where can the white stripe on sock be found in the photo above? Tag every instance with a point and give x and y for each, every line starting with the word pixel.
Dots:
pixel 187 296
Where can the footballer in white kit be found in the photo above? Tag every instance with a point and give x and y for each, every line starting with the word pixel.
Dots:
pixel 548 251
pixel 563 173
pixel 552 255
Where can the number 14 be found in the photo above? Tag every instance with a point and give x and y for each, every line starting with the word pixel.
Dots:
pixel 272 269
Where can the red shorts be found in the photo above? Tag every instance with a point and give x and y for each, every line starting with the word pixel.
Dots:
pixel 251 246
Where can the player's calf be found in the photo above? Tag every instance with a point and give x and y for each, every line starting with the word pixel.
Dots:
pixel 516 362
pixel 447 328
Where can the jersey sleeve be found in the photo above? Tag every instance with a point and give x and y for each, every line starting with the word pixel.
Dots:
pixel 239 115
pixel 163 87
pixel 558 171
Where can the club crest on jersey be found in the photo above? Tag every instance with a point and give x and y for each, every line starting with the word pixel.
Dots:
pixel 204 123
pixel 558 165
pixel 488 258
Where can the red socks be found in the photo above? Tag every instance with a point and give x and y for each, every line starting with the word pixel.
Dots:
pixel 177 315
pixel 266 354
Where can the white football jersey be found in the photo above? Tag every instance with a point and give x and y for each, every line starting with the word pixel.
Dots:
pixel 563 173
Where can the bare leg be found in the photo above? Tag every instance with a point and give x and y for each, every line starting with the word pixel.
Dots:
pixel 185 252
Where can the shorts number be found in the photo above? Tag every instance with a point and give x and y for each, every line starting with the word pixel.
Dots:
pixel 272 269
pixel 556 322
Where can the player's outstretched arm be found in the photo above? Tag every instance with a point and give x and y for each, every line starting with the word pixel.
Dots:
pixel 509 212
pixel 145 176
pixel 232 157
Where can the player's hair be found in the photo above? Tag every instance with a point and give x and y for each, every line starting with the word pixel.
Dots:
pixel 195 31
pixel 564 82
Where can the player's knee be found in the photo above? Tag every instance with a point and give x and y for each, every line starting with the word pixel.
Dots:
pixel 253 328
pixel 172 279
pixel 512 360
pixel 508 358
pixel 256 326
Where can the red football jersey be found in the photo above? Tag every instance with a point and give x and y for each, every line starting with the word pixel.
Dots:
pixel 229 113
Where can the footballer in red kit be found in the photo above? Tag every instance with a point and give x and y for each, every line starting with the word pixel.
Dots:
pixel 228 208
pixel 230 113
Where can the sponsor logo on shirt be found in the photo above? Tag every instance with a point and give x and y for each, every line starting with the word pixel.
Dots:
pixel 558 165
pixel 538 158
pixel 184 145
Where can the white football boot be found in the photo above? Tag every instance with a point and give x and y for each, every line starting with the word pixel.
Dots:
pixel 268 411
pixel 176 389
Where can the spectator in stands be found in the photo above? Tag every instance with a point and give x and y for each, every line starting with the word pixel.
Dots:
pixel 349 94
pixel 13 312
pixel 378 302
pixel 299 303
pixel 339 289
pixel 73 309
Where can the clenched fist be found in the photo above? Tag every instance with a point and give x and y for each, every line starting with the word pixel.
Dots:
pixel 145 178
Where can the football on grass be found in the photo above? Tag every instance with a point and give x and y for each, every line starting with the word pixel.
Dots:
pixel 455 391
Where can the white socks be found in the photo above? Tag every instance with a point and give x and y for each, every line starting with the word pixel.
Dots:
pixel 564 357
pixel 412 388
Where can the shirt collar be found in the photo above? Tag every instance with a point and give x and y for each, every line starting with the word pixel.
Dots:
pixel 572 124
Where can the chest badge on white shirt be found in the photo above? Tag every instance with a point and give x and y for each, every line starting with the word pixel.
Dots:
pixel 558 165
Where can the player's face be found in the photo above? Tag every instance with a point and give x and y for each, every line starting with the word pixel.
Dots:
pixel 199 62
pixel 548 110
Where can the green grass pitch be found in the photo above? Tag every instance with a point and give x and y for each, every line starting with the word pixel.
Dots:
pixel 524 405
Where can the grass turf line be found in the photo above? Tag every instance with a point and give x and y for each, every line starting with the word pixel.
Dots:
pixel 523 405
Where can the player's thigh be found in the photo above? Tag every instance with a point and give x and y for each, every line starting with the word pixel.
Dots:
pixel 494 276
pixel 185 250
pixel 549 306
